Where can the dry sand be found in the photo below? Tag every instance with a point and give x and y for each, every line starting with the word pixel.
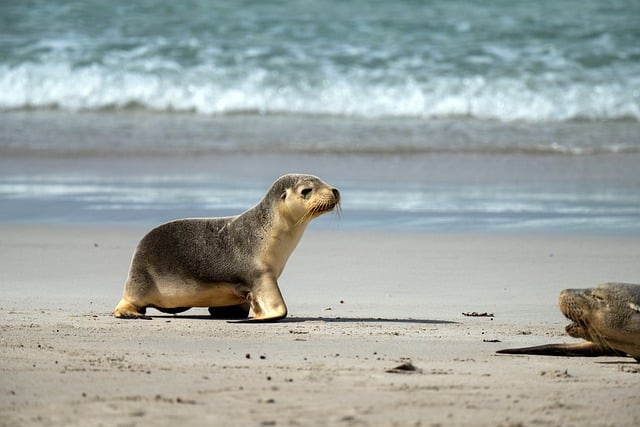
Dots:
pixel 360 304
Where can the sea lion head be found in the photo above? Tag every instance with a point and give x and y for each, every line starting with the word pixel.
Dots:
pixel 608 315
pixel 302 198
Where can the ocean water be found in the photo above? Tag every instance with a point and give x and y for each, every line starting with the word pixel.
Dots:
pixel 142 169
pixel 429 116
pixel 502 60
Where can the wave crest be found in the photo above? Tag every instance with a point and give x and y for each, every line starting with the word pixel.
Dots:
pixel 207 90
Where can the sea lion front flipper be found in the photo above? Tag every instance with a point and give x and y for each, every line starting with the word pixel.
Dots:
pixel 581 349
pixel 266 301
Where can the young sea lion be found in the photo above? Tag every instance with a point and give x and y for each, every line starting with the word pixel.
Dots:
pixel 229 264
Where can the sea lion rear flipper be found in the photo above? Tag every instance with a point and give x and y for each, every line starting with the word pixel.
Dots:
pixel 240 311
pixel 172 310
pixel 255 320
pixel 581 349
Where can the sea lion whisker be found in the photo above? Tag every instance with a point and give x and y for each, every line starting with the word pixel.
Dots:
pixel 600 339
pixel 307 215
pixel 338 210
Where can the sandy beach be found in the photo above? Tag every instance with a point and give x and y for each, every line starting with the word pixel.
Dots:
pixel 360 304
pixel 486 155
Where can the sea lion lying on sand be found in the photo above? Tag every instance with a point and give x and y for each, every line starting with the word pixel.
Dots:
pixel 607 317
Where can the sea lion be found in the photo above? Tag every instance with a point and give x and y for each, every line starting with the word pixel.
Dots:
pixel 228 264
pixel 607 317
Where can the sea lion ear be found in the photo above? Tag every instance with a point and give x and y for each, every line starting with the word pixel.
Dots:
pixel 634 307
pixel 283 195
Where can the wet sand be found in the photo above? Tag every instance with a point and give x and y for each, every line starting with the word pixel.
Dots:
pixel 360 304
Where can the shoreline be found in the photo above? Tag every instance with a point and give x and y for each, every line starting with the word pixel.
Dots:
pixel 360 303
pixel 425 175
pixel 493 267
pixel 141 133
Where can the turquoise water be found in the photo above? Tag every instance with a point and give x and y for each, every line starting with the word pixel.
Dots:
pixel 500 60
pixel 429 116
pixel 143 169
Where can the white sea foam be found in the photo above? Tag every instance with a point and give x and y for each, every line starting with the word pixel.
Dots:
pixel 521 61
pixel 32 85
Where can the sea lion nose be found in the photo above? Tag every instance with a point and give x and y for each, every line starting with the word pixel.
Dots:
pixel 336 193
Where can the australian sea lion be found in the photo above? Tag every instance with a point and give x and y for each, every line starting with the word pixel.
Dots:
pixel 607 317
pixel 228 264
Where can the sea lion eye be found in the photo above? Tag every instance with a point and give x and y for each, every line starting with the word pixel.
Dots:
pixel 305 192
